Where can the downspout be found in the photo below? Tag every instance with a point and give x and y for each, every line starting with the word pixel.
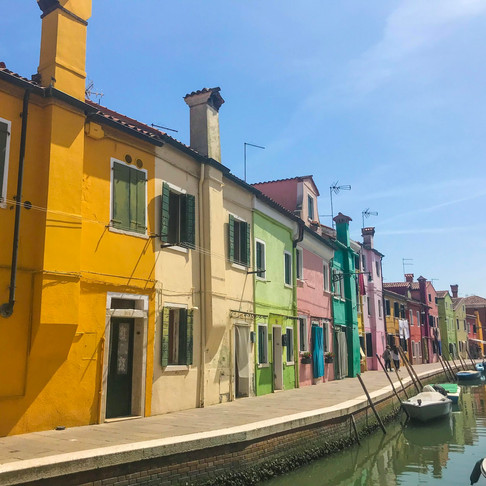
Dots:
pixel 294 297
pixel 6 310
pixel 202 290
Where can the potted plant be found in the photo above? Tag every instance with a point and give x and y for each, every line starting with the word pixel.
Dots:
pixel 306 357
pixel 329 357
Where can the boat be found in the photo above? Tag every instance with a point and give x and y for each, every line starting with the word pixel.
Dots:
pixel 468 375
pixel 478 471
pixel 427 405
pixel 453 391
pixel 479 367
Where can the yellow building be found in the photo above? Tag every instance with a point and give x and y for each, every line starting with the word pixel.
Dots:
pixel 77 282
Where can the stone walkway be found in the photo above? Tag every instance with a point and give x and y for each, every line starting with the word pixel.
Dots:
pixel 34 450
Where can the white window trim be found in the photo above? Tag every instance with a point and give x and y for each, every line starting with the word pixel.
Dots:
pixel 113 160
pixel 267 364
pixel 291 270
pixel 3 189
pixel 264 278
pixel 290 363
pixel 325 269
pixel 306 340
pixel 300 263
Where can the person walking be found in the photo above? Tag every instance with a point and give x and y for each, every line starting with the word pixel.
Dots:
pixel 387 357
pixel 396 358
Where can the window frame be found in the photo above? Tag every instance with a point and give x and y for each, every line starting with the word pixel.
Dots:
pixel 244 265
pixel 258 274
pixel 377 267
pixel 303 335
pixel 387 307
pixel 326 276
pixel 4 186
pixel 310 205
pixel 289 255
pixel 290 346
pixel 299 263
pixel 189 337
pixel 128 231
pixel 266 363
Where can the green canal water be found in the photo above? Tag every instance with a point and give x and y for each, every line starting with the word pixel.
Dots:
pixel 442 452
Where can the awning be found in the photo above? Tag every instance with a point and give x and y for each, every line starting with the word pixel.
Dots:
pixel 477 340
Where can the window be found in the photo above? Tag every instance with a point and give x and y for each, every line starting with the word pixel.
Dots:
pixel 288 268
pixel 387 305
pixel 379 308
pixel 325 336
pixel 4 156
pixel 402 311
pixel 464 324
pixel 177 224
pixel 363 262
pixel 262 344
pixel 239 241
pixel 368 305
pixel 430 298
pixel 431 321
pixel 436 300
pixel 260 258
pixel 396 309
pixel 299 263
pixel 290 345
pixel 369 345
pixel 457 323
pixel 418 318
pixel 303 345
pixel 128 198
pixel 177 336
pixel 411 317
pixel 325 276
pixel 310 208
pixel 377 264
pixel 338 284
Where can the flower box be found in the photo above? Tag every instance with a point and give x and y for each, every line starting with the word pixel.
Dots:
pixel 306 360
pixel 329 358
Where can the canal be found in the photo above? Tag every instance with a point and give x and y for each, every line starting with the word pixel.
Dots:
pixel 442 452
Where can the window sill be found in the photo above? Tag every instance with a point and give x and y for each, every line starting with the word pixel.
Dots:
pixel 177 248
pixel 263 365
pixel 237 266
pixel 112 229
pixel 290 363
pixel 263 280
pixel 177 368
pixel 288 286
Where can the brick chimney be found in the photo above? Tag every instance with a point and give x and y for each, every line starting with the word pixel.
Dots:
pixel 409 277
pixel 62 62
pixel 204 111
pixel 454 290
pixel 368 234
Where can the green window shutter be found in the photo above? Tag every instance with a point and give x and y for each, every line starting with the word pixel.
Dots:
pixel 248 244
pixel 188 229
pixel 189 336
pixel 3 154
pixel 182 336
pixel 140 224
pixel 231 238
pixel 164 348
pixel 164 213
pixel 259 262
pixel 121 196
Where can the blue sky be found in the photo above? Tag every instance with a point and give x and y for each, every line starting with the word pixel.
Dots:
pixel 387 96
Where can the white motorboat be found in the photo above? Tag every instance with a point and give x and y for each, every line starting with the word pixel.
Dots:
pixel 427 405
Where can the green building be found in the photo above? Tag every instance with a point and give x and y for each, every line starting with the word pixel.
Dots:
pixel 276 355
pixel 446 324
pixel 344 302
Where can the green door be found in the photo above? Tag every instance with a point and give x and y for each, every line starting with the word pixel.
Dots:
pixel 119 387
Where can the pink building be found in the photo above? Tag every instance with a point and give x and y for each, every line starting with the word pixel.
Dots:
pixel 313 254
pixel 372 300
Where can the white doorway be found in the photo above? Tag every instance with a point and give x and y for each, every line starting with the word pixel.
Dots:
pixel 242 361
pixel 277 358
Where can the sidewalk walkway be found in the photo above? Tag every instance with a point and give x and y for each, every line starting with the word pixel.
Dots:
pixel 175 432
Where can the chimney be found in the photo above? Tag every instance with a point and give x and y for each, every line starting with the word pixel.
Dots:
pixel 342 228
pixel 368 234
pixel 62 61
pixel 204 109
pixel 423 289
pixel 409 277
pixel 454 290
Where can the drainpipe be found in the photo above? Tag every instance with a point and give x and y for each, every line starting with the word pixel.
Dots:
pixel 294 296
pixel 202 290
pixel 6 310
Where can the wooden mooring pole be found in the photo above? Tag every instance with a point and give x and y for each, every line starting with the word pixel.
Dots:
pixel 391 383
pixel 451 370
pixel 470 357
pixel 463 362
pixel 455 364
pixel 446 371
pixel 355 429
pixel 371 403
pixel 411 371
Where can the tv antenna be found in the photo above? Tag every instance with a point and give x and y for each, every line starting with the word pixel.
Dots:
pixel 163 128
pixel 367 213
pixel 251 145
pixel 406 262
pixel 336 189
pixel 89 92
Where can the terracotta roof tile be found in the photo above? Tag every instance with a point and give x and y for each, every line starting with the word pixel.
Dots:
pixel 4 69
pixel 442 293
pixel 473 300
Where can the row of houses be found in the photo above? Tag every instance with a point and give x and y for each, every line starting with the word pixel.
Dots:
pixel 139 276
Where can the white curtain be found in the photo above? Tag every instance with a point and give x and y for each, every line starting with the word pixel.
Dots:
pixel 242 340
pixel 342 354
